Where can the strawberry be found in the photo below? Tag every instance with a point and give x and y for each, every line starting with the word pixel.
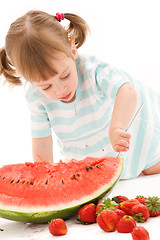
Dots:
pixel 127 205
pixel 119 212
pixel 126 224
pixel 106 204
pixel 140 233
pixel 118 199
pixel 153 205
pixel 140 213
pixel 87 214
pixel 107 220
pixel 57 227
pixel 141 199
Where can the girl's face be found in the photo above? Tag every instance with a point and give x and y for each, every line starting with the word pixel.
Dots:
pixel 63 85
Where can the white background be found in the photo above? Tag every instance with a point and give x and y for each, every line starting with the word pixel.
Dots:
pixel 124 33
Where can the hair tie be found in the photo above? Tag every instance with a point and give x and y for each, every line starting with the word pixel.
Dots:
pixel 59 16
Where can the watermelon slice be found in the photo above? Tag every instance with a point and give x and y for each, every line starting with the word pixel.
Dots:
pixel 38 192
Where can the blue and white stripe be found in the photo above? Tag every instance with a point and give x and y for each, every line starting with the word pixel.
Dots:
pixel 82 126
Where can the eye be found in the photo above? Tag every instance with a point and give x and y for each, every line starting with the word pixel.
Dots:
pixel 66 76
pixel 47 88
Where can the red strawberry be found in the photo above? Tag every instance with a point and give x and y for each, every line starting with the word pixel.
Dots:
pixel 153 205
pixel 127 205
pixel 107 220
pixel 119 212
pixel 106 204
pixel 140 233
pixel 140 213
pixel 57 227
pixel 126 224
pixel 87 214
pixel 141 199
pixel 99 205
pixel 119 199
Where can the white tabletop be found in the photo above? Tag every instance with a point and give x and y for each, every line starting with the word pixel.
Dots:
pixel 143 185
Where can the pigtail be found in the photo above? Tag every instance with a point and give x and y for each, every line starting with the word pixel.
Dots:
pixel 6 68
pixel 77 28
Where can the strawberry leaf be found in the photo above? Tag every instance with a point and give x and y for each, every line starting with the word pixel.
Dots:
pixel 138 218
pixel 107 204
pixel 153 204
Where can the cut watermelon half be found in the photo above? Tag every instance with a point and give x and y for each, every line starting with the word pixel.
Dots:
pixel 38 192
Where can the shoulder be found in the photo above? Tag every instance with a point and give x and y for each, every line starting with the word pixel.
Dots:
pixel 88 62
pixel 32 93
pixel 92 67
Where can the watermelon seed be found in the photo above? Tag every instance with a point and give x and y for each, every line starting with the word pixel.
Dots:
pixel 78 174
pixel 91 167
pixel 62 181
pixel 74 176
pixel 3 177
pixel 31 183
pixel 27 182
pixel 23 182
pixel 46 182
pixel 18 181
pixel 98 166
pixel 12 181
pixel 87 168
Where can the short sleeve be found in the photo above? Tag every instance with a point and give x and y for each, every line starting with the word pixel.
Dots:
pixel 40 124
pixel 109 80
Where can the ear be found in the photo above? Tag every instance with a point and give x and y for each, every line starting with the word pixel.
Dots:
pixel 73 48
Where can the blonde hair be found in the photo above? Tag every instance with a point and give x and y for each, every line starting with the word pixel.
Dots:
pixel 33 40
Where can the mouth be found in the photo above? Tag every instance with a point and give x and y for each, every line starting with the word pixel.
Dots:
pixel 65 98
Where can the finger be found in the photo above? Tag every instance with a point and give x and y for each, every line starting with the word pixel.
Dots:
pixel 123 143
pixel 125 135
pixel 119 148
pixel 124 140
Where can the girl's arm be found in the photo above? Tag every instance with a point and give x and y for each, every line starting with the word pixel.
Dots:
pixel 42 149
pixel 124 108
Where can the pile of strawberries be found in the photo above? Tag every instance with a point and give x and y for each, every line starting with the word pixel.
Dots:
pixel 119 213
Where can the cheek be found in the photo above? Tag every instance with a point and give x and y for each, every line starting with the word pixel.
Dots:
pixel 50 95
pixel 74 82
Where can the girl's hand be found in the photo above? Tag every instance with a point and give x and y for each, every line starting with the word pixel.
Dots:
pixel 120 140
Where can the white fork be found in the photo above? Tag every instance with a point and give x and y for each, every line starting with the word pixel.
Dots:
pixel 108 192
pixel 132 122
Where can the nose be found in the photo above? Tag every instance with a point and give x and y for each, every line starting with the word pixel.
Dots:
pixel 60 90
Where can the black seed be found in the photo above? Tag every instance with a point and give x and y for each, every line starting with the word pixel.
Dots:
pixel 62 182
pixel 23 182
pixel 3 177
pixel 31 183
pixel 87 168
pixel 18 181
pixel 46 182
pixel 98 166
pixel 74 176
pixel 91 167
pixel 27 182
pixel 78 174
pixel 12 181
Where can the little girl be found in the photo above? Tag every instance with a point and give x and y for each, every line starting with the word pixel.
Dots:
pixel 86 102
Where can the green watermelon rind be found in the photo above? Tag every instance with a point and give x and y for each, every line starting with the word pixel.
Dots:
pixel 46 216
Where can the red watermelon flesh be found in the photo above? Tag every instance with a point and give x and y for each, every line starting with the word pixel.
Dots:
pixel 41 191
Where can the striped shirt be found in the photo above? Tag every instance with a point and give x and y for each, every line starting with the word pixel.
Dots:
pixel 82 126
